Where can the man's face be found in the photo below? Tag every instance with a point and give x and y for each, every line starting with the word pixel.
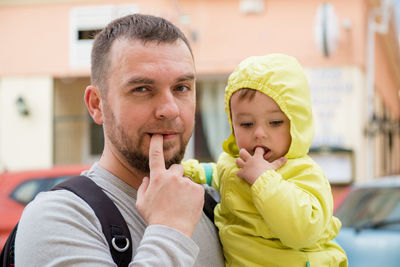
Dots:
pixel 151 90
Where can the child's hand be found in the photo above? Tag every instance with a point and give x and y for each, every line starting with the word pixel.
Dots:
pixel 253 166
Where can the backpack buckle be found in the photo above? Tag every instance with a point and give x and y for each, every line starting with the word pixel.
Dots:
pixel 120 240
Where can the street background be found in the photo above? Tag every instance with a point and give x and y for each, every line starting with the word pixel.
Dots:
pixel 349 49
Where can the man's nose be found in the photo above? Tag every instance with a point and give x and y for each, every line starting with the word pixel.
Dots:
pixel 167 107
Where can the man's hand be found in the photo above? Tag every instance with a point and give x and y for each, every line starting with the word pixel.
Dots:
pixel 168 198
pixel 253 166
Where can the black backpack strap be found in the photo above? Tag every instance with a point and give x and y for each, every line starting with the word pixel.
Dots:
pixel 7 253
pixel 209 205
pixel 113 224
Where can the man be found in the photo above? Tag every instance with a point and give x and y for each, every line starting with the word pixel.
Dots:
pixel 143 93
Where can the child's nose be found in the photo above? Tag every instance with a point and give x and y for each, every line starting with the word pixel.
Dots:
pixel 260 132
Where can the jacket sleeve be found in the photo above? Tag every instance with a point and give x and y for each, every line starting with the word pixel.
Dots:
pixel 201 173
pixel 297 209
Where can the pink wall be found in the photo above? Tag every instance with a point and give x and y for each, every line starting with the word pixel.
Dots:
pixel 35 38
pixel 386 79
pixel 225 36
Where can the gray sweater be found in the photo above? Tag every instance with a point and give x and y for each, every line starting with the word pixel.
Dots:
pixel 59 229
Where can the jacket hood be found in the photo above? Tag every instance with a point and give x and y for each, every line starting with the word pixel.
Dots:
pixel 283 79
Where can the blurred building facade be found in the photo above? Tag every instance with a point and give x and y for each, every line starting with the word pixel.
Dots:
pixel 349 49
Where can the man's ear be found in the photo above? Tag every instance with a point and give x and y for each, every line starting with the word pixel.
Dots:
pixel 93 103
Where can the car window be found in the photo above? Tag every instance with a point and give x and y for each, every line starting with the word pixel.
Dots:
pixel 26 191
pixel 370 205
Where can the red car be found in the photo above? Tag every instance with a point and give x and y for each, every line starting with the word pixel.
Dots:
pixel 339 193
pixel 18 188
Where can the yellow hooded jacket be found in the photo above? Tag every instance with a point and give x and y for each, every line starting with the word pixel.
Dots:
pixel 284 218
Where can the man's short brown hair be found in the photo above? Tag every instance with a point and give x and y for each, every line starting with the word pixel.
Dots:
pixel 145 28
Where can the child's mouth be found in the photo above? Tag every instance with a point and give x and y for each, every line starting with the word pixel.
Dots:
pixel 267 152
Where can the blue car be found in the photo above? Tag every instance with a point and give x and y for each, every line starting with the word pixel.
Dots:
pixel 370 216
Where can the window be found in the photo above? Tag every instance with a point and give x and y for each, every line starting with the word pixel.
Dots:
pixel 28 190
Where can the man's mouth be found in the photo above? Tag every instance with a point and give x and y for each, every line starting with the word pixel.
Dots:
pixel 165 134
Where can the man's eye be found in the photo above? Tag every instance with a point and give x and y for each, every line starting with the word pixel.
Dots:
pixel 182 88
pixel 139 89
pixel 246 124
pixel 276 123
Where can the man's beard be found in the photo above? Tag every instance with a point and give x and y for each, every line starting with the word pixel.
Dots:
pixel 138 160
pixel 131 151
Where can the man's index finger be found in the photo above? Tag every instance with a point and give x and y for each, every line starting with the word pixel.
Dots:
pixel 156 153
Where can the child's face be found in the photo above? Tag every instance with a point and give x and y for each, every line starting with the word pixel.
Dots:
pixel 259 122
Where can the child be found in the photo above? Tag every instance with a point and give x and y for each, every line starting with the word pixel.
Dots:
pixel 276 203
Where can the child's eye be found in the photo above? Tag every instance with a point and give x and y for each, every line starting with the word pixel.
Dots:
pixel 246 124
pixel 276 123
